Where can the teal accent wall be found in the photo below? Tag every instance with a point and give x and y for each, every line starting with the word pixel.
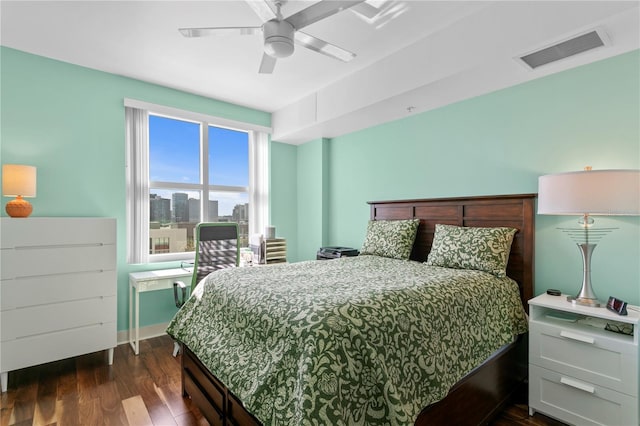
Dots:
pixel 312 199
pixel 499 143
pixel 283 195
pixel 68 121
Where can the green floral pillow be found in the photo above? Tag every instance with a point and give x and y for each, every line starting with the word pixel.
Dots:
pixel 483 249
pixel 390 238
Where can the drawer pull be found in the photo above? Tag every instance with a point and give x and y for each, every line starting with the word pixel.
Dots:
pixel 577 385
pixel 578 337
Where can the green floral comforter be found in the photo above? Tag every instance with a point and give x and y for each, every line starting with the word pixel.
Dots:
pixel 359 340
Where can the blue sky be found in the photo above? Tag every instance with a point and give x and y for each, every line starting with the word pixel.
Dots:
pixel 174 152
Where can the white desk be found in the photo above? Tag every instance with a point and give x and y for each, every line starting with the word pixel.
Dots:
pixel 140 282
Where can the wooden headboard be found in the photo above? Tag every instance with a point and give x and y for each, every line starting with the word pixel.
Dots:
pixel 516 211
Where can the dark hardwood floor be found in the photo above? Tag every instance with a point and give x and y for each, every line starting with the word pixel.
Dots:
pixel 135 390
pixel 517 414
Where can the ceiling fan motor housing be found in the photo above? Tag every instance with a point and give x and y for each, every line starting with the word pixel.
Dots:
pixel 278 38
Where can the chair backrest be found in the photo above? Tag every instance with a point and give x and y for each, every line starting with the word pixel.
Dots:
pixel 217 247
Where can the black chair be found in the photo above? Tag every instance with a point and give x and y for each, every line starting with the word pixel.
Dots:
pixel 216 248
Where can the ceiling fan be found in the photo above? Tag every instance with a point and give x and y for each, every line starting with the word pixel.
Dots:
pixel 280 34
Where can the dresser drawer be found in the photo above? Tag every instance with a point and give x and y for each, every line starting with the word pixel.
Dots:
pixel 53 260
pixel 28 351
pixel 39 290
pixel 36 320
pixel 577 401
pixel 599 357
pixel 57 231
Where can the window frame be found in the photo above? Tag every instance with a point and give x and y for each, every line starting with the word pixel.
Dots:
pixel 204 187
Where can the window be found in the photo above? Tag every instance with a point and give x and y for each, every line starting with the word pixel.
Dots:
pixel 184 168
pixel 181 179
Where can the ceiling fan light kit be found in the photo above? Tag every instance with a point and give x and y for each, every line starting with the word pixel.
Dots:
pixel 278 38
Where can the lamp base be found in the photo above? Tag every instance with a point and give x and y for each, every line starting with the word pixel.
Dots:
pixel 584 301
pixel 19 207
pixel 586 296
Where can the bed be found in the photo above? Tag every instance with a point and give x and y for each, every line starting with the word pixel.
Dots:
pixel 390 378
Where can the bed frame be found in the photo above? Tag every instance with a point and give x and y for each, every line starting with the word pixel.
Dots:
pixel 482 394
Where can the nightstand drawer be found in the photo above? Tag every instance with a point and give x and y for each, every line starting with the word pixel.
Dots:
pixel 577 401
pixel 599 357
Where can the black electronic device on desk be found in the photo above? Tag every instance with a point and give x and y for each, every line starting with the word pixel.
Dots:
pixel 335 252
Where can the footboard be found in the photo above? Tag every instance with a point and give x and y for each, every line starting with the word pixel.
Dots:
pixel 484 393
pixel 213 399
pixel 475 400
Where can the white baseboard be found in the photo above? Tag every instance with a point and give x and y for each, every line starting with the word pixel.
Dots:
pixel 147 332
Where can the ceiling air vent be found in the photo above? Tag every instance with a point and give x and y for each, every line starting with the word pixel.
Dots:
pixel 565 49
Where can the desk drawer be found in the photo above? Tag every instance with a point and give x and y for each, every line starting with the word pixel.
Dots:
pixel 577 401
pixel 593 357
pixel 161 283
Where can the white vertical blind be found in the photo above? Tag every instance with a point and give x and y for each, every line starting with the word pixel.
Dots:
pixel 137 177
pixel 258 182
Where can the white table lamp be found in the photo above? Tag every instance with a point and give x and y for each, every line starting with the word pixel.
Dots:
pixel 586 193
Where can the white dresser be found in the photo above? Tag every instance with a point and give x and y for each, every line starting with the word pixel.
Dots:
pixel 579 372
pixel 58 290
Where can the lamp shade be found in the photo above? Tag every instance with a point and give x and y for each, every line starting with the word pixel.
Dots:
pixel 593 192
pixel 18 180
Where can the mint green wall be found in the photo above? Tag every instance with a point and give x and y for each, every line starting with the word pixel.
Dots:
pixel 312 198
pixel 283 195
pixel 68 121
pixel 500 143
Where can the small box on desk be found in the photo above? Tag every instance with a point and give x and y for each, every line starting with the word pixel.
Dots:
pixel 275 250
pixel 335 252
pixel 269 250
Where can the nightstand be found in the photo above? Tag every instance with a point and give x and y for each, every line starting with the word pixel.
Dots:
pixel 579 372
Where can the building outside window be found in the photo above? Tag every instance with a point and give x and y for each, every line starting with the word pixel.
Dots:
pixel 159 245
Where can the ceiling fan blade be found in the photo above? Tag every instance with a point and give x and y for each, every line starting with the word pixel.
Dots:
pixel 262 8
pixel 202 32
pixel 367 10
pixel 319 11
pixel 321 46
pixel 267 64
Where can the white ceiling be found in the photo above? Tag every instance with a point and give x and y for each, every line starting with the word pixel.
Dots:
pixel 412 57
